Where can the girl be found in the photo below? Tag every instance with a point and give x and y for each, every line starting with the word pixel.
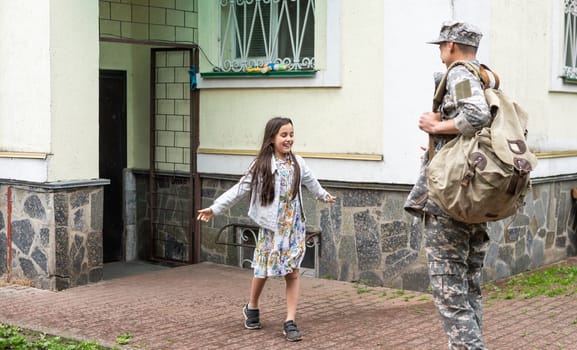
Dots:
pixel 274 182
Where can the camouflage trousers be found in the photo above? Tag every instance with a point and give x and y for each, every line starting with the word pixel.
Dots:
pixel 455 253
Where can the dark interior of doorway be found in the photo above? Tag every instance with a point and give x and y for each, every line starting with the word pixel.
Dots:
pixel 112 158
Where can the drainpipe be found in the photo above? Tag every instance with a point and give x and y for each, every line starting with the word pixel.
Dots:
pixel 9 232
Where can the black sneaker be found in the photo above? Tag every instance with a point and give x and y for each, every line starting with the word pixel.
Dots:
pixel 251 318
pixel 291 331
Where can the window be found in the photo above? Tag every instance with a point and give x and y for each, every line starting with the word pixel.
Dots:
pixel 570 41
pixel 254 33
pixel 564 46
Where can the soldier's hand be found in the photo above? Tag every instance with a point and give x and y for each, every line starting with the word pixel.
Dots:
pixel 428 121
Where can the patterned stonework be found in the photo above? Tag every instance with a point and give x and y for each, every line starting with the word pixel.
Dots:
pixel 366 235
pixel 55 235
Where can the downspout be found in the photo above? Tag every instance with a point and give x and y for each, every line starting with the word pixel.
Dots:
pixel 9 232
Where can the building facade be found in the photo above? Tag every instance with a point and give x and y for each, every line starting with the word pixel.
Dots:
pixel 149 109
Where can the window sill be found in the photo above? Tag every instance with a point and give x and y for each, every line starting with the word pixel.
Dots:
pixel 273 74
pixel 563 85
pixel 281 79
pixel 572 81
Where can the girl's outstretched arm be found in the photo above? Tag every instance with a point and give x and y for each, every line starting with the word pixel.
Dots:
pixel 312 184
pixel 227 199
pixel 205 214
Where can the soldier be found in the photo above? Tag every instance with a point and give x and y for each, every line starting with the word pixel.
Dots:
pixel 455 250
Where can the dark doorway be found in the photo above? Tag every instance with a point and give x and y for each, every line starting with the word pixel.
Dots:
pixel 112 150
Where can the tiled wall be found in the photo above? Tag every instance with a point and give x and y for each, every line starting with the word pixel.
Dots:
pixel 161 20
pixel 172 123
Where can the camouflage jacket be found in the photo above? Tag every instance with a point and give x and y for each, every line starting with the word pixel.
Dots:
pixel 464 102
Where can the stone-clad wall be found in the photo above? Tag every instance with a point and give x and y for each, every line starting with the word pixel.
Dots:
pixel 544 233
pixel 172 193
pixel 210 251
pixel 3 233
pixel 366 234
pixel 55 238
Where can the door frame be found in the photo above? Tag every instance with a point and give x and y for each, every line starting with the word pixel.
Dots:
pixel 194 235
pixel 195 138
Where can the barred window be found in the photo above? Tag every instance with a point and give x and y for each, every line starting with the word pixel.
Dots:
pixel 570 40
pixel 258 32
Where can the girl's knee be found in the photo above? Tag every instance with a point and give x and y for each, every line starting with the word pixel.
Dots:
pixel 293 275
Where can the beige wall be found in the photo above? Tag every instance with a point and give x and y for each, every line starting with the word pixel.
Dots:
pixel 345 119
pixel 74 90
pixel 24 77
pixel 525 68
pixel 386 82
pixel 525 40
pixel 49 90
pixel 49 87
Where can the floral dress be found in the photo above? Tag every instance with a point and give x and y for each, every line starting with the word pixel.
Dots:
pixel 278 253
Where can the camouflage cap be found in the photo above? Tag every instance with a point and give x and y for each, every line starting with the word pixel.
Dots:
pixel 459 32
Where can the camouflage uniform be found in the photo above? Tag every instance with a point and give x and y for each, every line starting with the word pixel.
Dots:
pixel 455 250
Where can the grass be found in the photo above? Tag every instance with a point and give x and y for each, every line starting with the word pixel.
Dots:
pixel 123 339
pixel 16 338
pixel 362 287
pixel 558 280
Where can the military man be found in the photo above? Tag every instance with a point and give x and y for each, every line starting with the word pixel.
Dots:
pixel 455 250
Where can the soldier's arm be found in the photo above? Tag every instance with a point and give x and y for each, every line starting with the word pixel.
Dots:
pixel 467 91
pixel 431 123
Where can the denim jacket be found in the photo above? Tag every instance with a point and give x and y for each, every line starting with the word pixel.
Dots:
pixel 266 216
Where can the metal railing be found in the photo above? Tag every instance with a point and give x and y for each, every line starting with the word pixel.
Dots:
pixel 244 238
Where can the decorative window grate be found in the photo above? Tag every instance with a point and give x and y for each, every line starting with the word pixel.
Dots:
pixel 256 33
pixel 570 41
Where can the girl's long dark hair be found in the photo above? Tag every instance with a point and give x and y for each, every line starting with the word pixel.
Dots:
pixel 261 169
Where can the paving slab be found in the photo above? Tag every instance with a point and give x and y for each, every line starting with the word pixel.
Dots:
pixel 199 307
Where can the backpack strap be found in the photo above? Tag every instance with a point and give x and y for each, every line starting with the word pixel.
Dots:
pixel 440 91
pixel 489 78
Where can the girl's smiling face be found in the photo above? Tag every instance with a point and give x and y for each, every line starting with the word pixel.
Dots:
pixel 283 140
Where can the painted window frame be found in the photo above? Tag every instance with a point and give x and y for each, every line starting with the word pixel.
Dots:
pixel 327 53
pixel 558 81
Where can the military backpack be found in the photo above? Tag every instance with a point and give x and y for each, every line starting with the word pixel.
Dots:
pixel 484 177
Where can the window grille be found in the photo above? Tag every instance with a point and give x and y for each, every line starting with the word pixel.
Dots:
pixel 570 40
pixel 259 32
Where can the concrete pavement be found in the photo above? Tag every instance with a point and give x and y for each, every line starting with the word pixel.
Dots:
pixel 199 307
